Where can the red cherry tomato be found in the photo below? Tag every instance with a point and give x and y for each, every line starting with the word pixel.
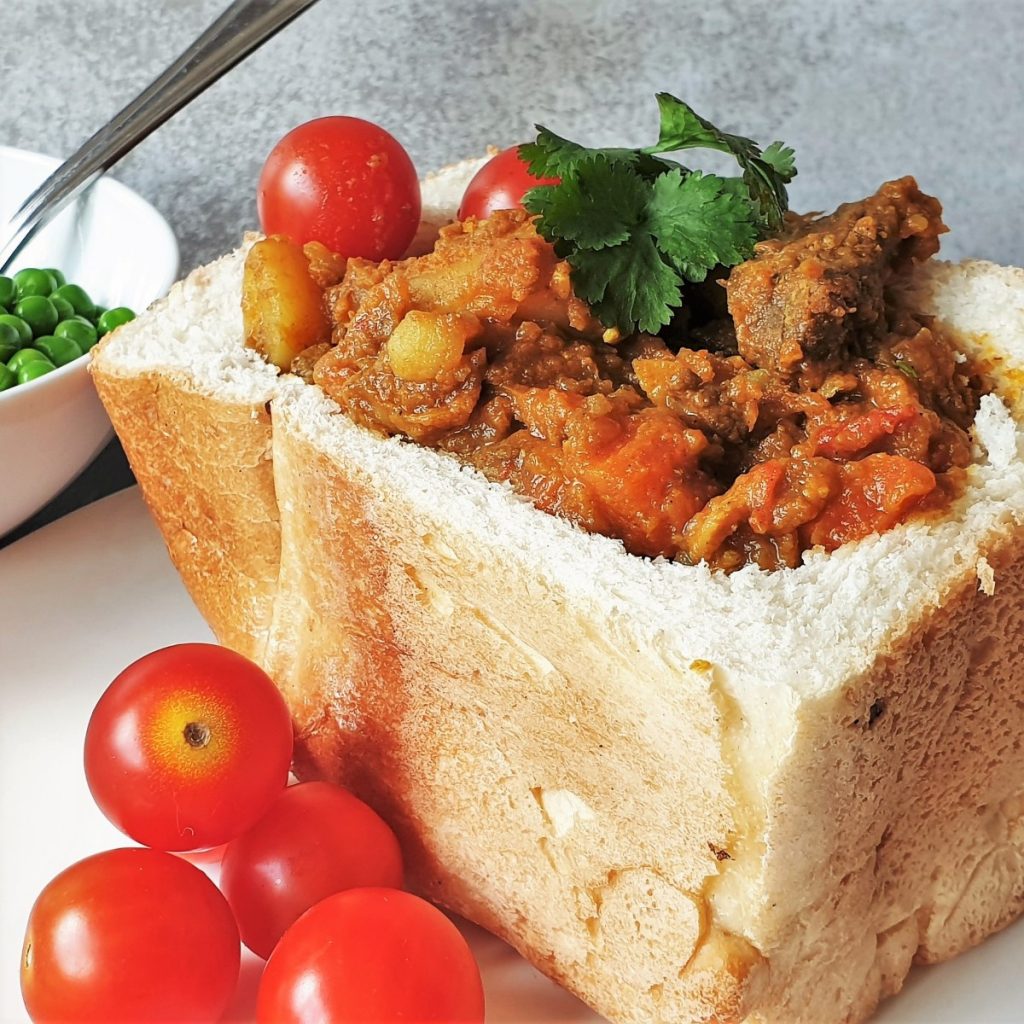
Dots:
pixel 188 747
pixel 371 955
pixel 500 185
pixel 316 840
pixel 129 935
pixel 344 182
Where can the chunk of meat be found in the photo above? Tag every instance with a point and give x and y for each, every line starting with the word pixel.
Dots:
pixel 360 278
pixel 930 362
pixel 810 294
pixel 492 421
pixel 488 268
pixel 706 391
pixel 369 326
pixel 897 411
pixel 535 467
pixel 720 395
pixel 534 357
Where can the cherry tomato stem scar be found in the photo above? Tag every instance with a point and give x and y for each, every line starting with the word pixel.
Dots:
pixel 193 733
pixel 197 734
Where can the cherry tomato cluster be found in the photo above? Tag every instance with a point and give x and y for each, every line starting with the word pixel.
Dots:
pixel 190 748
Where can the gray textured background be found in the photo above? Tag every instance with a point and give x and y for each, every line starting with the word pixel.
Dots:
pixel 863 90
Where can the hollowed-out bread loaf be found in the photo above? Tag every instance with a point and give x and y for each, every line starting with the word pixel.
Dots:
pixel 685 795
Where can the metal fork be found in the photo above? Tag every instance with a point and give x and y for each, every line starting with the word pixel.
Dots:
pixel 242 28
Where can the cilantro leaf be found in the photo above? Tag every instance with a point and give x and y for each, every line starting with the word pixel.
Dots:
pixel 635 225
pixel 597 204
pixel 551 156
pixel 780 157
pixel 768 192
pixel 628 286
pixel 700 222
pixel 683 128
pixel 736 187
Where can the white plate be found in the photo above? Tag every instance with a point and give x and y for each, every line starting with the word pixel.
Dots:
pixel 85 596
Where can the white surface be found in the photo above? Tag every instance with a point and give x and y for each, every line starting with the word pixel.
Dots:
pixel 85 596
pixel 117 247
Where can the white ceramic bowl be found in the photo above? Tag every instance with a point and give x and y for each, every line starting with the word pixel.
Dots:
pixel 123 253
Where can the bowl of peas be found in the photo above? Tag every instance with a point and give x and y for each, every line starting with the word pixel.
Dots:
pixel 47 322
pixel 80 278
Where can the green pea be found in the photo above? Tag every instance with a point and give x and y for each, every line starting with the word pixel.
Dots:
pixel 25 356
pixel 10 342
pixel 78 297
pixel 64 308
pixel 35 369
pixel 58 277
pixel 113 318
pixel 33 282
pixel 8 378
pixel 39 313
pixel 79 331
pixel 97 312
pixel 6 292
pixel 60 351
pixel 23 329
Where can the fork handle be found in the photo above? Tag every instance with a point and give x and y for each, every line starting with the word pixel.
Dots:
pixel 243 27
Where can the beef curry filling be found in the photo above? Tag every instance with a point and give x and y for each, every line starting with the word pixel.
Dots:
pixel 791 404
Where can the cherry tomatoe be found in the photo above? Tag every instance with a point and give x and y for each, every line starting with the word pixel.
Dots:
pixel 188 746
pixel 129 935
pixel 344 182
pixel 316 839
pixel 376 955
pixel 500 185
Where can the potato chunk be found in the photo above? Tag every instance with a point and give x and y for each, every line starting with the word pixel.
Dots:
pixel 282 305
pixel 426 345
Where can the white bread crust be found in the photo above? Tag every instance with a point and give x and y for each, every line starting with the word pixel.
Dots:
pixel 686 796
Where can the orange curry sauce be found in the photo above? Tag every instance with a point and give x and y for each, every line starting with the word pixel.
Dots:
pixel 791 404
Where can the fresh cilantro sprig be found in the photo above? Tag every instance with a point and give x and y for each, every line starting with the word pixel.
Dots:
pixel 635 225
